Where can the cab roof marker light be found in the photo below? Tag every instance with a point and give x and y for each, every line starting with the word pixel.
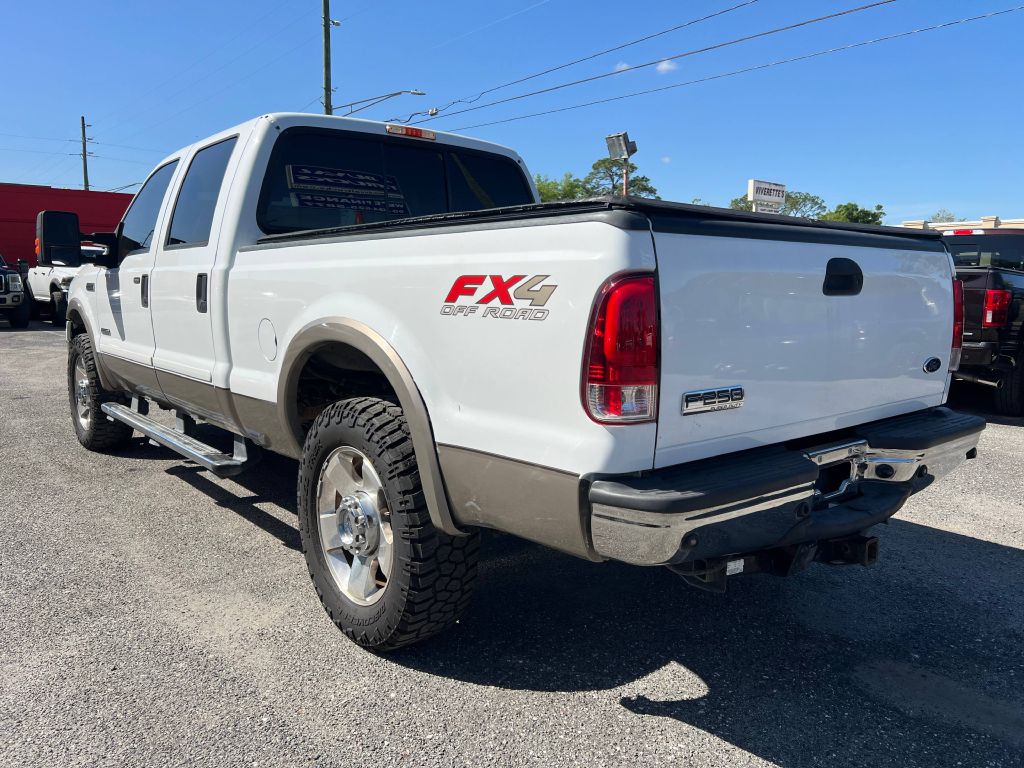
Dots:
pixel 412 133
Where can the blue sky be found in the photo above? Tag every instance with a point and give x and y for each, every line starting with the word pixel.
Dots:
pixel 916 124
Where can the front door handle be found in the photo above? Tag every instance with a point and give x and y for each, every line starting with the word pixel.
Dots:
pixel 202 281
pixel 145 290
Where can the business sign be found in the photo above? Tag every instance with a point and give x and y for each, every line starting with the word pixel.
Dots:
pixel 767 196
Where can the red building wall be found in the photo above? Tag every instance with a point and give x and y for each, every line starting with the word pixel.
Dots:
pixel 19 204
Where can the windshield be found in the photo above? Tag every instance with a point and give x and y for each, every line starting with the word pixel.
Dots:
pixel 328 178
pixel 999 251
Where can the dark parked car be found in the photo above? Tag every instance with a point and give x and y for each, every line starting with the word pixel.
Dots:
pixel 13 302
pixel 990 262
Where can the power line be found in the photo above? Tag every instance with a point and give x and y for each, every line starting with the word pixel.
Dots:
pixel 706 49
pixel 574 62
pixel 221 46
pixel 722 75
pixel 490 24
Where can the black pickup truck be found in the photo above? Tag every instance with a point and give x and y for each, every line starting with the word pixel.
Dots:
pixel 990 262
pixel 14 306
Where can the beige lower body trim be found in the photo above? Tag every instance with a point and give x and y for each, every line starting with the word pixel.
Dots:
pixel 535 503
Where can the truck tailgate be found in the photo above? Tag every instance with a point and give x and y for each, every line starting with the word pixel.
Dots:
pixel 744 306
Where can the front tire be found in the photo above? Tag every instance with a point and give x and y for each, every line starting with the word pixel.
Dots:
pixel 58 307
pixel 384 574
pixel 86 396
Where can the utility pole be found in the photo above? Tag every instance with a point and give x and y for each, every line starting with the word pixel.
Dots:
pixel 85 156
pixel 327 58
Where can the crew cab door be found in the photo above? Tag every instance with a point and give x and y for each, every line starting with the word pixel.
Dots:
pixel 182 322
pixel 122 293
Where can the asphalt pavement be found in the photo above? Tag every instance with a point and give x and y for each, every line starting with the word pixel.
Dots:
pixel 154 615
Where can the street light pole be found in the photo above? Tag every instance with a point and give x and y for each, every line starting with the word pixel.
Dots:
pixel 327 58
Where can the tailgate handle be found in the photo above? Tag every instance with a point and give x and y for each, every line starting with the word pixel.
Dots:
pixel 843 277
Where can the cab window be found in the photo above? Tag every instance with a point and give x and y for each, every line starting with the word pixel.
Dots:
pixel 192 219
pixel 140 220
pixel 319 178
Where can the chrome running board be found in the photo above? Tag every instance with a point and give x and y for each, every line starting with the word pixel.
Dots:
pixel 218 462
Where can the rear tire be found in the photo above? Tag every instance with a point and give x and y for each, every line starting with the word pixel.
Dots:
pixel 1009 398
pixel 422 583
pixel 58 307
pixel 86 396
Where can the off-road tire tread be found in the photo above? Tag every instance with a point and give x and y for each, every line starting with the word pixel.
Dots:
pixel 436 581
pixel 103 434
pixel 1009 399
pixel 58 307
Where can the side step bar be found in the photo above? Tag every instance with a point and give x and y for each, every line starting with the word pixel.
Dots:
pixel 221 464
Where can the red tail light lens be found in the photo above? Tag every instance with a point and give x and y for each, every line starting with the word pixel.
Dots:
pixel 621 365
pixel 958 325
pixel 997 309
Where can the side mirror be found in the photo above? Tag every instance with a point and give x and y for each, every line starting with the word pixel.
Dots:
pixel 58 242
pixel 109 242
pixel 23 269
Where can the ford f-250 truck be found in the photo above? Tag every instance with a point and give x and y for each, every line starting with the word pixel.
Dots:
pixel 620 379
pixel 990 264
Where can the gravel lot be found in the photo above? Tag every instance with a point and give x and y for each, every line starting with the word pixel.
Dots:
pixel 151 614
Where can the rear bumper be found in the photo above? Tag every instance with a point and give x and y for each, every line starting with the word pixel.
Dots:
pixel 981 354
pixel 777 496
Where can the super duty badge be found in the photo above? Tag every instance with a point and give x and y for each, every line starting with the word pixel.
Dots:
pixel 704 400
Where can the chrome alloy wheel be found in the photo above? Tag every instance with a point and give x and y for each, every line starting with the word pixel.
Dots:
pixel 355 525
pixel 83 397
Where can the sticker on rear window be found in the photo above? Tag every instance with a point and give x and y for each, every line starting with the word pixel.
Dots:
pixel 318 187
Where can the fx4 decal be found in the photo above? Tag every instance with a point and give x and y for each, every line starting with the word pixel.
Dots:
pixel 508 298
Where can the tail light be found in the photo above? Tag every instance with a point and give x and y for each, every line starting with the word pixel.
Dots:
pixel 620 374
pixel 997 309
pixel 958 325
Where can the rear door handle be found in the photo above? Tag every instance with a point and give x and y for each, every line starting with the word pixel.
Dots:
pixel 145 290
pixel 201 288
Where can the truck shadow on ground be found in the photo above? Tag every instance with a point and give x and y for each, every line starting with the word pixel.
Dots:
pixel 915 661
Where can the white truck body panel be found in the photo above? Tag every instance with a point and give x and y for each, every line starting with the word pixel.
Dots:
pixel 503 386
pixel 751 313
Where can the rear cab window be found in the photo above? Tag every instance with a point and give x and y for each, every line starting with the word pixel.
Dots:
pixel 998 251
pixel 320 178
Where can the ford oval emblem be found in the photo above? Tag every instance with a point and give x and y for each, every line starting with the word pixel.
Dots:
pixel 932 364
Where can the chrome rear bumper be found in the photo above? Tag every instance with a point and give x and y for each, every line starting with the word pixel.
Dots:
pixel 709 509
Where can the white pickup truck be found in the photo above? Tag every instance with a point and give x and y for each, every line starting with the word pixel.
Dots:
pixel 48 281
pixel 621 379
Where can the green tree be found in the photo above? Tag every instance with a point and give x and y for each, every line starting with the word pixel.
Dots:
pixel 569 187
pixel 854 213
pixel 797 204
pixel 943 215
pixel 605 178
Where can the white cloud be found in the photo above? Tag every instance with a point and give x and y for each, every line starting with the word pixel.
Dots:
pixel 621 66
pixel 666 159
pixel 666 66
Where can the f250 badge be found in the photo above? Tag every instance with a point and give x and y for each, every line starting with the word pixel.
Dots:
pixel 505 298
pixel 704 400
